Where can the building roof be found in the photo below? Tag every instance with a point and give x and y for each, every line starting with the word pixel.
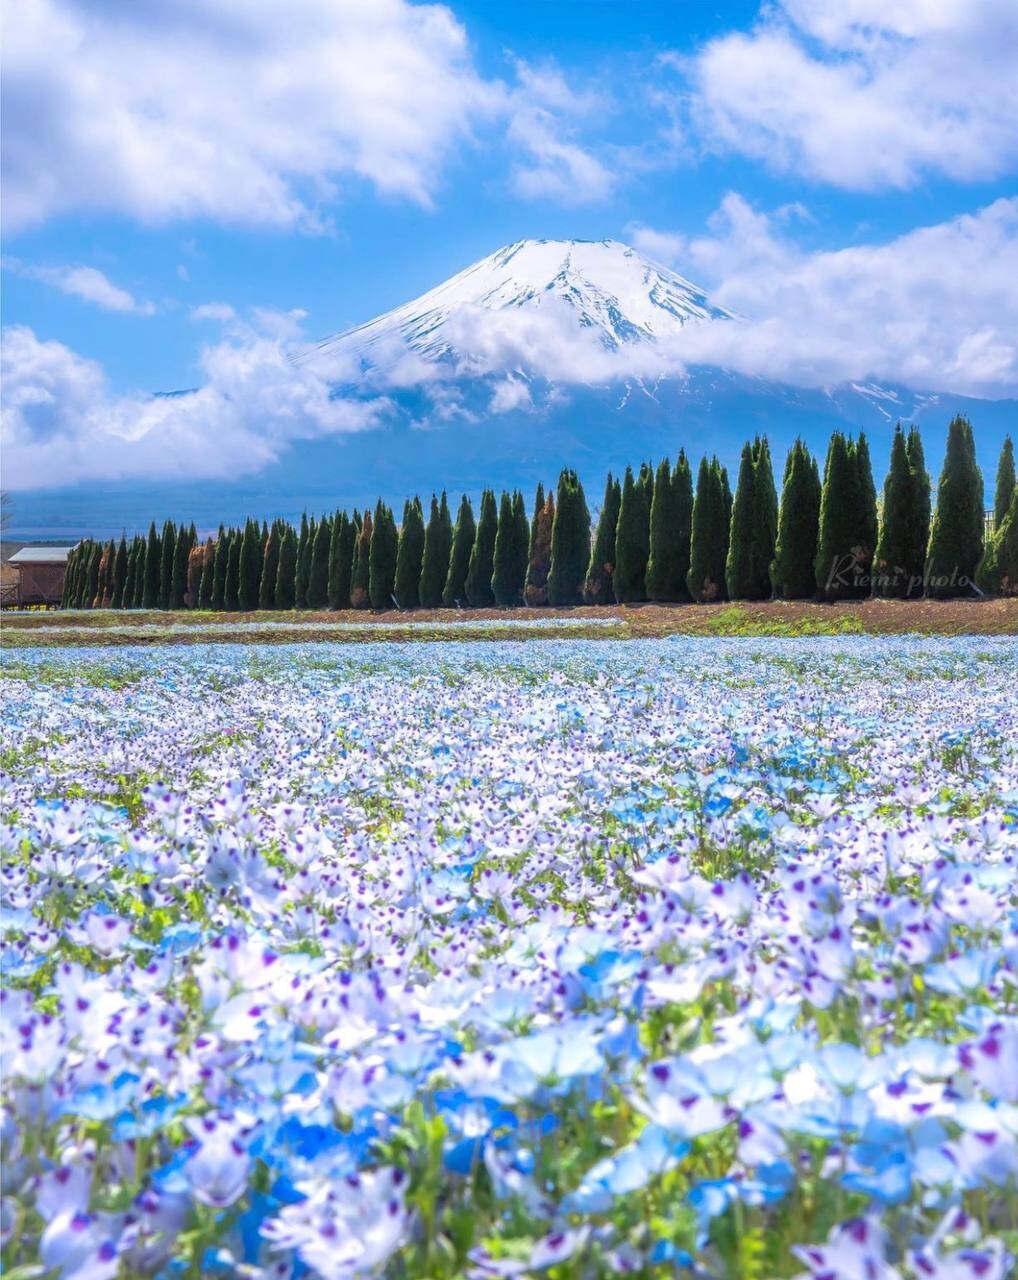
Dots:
pixel 41 555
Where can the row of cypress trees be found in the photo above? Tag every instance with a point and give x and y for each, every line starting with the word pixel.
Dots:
pixel 656 539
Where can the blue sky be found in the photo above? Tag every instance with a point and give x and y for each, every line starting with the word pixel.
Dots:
pixel 180 180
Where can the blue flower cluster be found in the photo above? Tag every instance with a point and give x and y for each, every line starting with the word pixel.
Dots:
pixel 574 960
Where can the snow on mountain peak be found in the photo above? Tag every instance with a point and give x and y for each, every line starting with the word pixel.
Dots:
pixel 611 290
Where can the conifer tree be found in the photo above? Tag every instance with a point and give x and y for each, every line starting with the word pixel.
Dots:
pixel 570 542
pixel 535 519
pixel 206 586
pixel 740 548
pixel 119 579
pixel 956 534
pixel 503 587
pixel 597 587
pixel 866 536
pixel 708 549
pixel 222 563
pixel 539 553
pixel 410 555
pixel 904 527
pixel 521 543
pixel 998 572
pixel 153 562
pixel 318 567
pixel 91 583
pixel 247 565
pixel 169 549
pixel 682 485
pixel 102 589
pixel 753 526
pixel 464 534
pixel 793 572
pixel 839 573
pixel 632 538
pixel 382 557
pixel 340 554
pixel 67 595
pixel 662 579
pixel 347 550
pixel 127 595
pixel 303 554
pixel 437 548
pixel 361 568
pixel 286 574
pixel 195 566
pixel 232 595
pixel 482 554
pixel 1004 488
pixel 178 580
pixel 270 568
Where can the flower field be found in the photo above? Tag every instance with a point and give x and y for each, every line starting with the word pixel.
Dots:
pixel 574 958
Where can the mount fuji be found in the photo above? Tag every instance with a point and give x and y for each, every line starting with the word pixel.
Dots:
pixel 546 353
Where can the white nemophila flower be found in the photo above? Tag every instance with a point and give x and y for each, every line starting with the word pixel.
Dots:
pixel 218 1168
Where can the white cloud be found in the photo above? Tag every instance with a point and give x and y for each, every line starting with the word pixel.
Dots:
pixel 87 283
pixel 866 94
pixel 63 424
pixel 935 309
pixel 545 112
pixel 218 312
pixel 240 112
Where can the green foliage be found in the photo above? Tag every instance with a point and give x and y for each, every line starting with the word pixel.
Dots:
pixel 382 557
pixel 220 569
pixel 510 559
pixel 169 547
pixel 150 578
pixel 270 568
pixel 753 526
pixel 178 580
pixel 664 560
pixel 232 600
pixel 459 557
pixel 535 592
pixel 482 554
pixel 410 555
pixel 999 570
pixel 904 527
pixel 318 566
pixel 597 588
pixel 303 561
pixel 119 575
pixel 360 575
pixel 341 549
pixel 708 550
pixel 843 557
pixel 570 542
pixel 632 537
pixel 1006 480
pixel 956 534
pixel 793 574
pixel 437 549
pixel 285 594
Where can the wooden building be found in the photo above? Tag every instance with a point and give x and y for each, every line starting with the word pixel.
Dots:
pixel 40 574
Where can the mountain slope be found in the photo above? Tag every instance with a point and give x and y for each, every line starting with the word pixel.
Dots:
pixel 611 291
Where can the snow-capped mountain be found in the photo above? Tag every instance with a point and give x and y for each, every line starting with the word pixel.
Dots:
pixel 607 288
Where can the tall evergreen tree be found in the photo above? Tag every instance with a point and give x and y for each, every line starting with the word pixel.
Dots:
pixel 998 572
pixel 482 554
pixel 535 520
pixel 232 594
pixel 318 568
pixel 535 592
pixel 708 551
pixel 304 540
pixel 169 549
pixel 632 537
pixel 662 578
pixel 905 525
pixel 504 586
pixel 92 576
pixel 178 579
pixel 765 521
pixel 361 567
pixel 410 555
pixel 222 564
pixel 195 568
pixel 103 580
pixel 130 578
pixel 867 512
pixel 153 562
pixel 682 484
pixel 753 526
pixel 521 543
pixel 340 561
pixel 286 574
pixel 793 572
pixel 1004 488
pixel 119 575
pixel 382 557
pixel 570 542
pixel 454 591
pixel 270 567
pixel 437 548
pixel 206 586
pixel 840 566
pixel 956 534
pixel 597 588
